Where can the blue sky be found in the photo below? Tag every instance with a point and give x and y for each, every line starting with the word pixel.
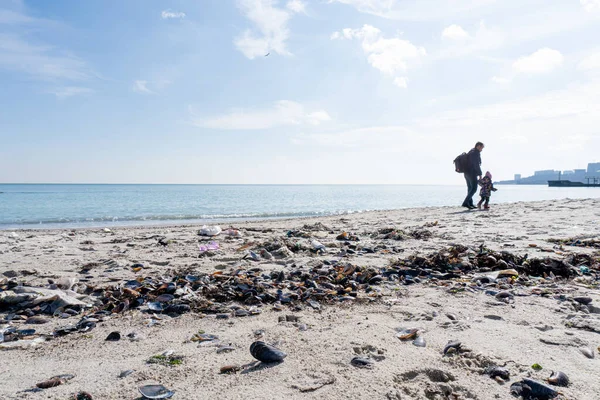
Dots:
pixel 352 91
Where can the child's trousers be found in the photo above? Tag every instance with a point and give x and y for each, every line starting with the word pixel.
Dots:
pixel 484 198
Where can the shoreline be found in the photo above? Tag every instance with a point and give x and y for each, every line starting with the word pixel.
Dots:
pixel 539 323
pixel 245 220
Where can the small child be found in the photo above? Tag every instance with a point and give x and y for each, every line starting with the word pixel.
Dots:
pixel 487 187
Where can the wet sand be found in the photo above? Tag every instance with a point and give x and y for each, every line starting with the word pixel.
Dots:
pixel 540 323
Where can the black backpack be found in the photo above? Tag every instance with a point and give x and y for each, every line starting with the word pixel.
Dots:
pixel 460 163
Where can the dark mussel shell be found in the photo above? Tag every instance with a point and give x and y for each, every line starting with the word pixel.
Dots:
pixel 266 353
pixel 155 306
pixel 52 382
pixel 113 337
pixel 177 309
pixel 230 369
pixel 155 392
pixel 82 396
pixel 536 390
pixel 133 284
pixel 495 371
pixel 453 344
pixel 362 362
pixel 85 325
pixel 164 298
pixel 559 378
pixel 583 300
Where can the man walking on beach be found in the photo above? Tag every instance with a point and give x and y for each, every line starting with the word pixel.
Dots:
pixel 472 174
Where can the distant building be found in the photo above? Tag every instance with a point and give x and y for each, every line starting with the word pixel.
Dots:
pixel 545 172
pixel 593 169
pixel 543 176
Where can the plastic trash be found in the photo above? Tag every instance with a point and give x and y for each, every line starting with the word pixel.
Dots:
pixel 209 246
pixel 209 230
pixel 317 245
pixel 233 232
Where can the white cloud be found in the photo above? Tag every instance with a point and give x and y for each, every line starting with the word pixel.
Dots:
pixel 69 91
pixel 461 45
pixel 315 118
pixel 590 5
pixel 40 61
pixel 168 14
pixel 371 137
pixel 577 102
pixel 389 56
pixel 542 61
pixel 272 26
pixel 421 10
pixel 501 80
pixel 12 18
pixel 590 62
pixel 141 86
pixel 297 6
pixel 454 32
pixel 283 113
pixel 401 81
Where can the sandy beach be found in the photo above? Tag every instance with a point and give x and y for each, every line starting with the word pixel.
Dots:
pixel 517 285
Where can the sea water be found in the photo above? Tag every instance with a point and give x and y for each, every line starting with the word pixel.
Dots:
pixel 100 205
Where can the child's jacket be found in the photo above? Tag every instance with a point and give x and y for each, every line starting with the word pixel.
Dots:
pixel 486 187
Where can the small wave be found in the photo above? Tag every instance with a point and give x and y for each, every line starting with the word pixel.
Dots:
pixel 174 218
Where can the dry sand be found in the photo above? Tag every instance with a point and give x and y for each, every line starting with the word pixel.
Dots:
pixel 319 354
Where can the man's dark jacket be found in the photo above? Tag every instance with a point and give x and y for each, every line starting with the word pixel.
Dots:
pixel 473 162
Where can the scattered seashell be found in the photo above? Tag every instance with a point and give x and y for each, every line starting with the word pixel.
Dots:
pixel 113 337
pixel 419 341
pixel 203 337
pixel 55 381
pixel 586 351
pixel 178 309
pixel 507 273
pixel 266 353
pixel 496 371
pixel 225 349
pixel 164 298
pixel 49 383
pixel 535 389
pixel 82 396
pixel 558 378
pixel 407 334
pixel 362 362
pixel 36 320
pixel 126 373
pixel 155 306
pixel 230 369
pixel 135 337
pixel 451 347
pixel 156 392
pixel 583 300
